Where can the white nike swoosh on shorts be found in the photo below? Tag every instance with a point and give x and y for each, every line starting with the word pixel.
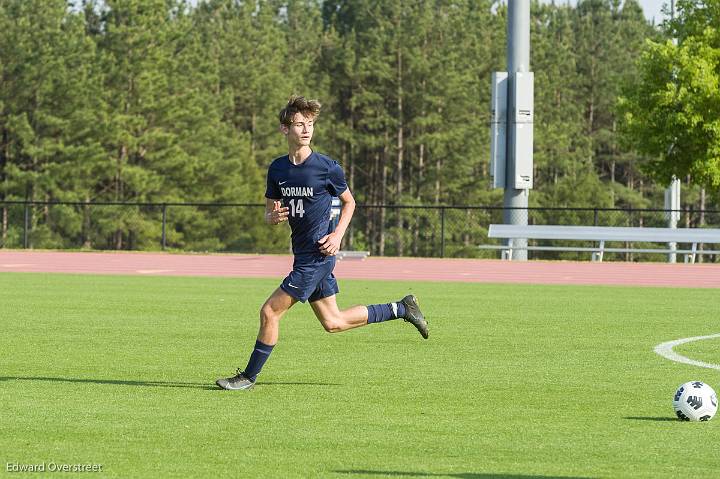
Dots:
pixel 292 285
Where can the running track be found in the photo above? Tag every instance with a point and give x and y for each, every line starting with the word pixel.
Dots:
pixel 409 269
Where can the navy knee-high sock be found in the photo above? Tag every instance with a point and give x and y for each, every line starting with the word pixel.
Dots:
pixel 257 360
pixel 377 313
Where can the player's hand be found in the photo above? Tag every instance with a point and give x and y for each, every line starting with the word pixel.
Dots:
pixel 278 214
pixel 330 244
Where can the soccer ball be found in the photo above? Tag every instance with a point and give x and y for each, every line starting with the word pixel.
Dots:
pixel 695 401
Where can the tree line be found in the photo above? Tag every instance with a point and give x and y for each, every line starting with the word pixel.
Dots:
pixel 169 101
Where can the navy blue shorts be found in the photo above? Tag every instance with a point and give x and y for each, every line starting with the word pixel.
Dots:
pixel 311 278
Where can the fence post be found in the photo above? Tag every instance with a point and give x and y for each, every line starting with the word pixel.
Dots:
pixel 26 227
pixel 442 231
pixel 595 217
pixel 164 222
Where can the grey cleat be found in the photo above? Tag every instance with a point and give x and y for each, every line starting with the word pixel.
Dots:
pixel 414 315
pixel 239 381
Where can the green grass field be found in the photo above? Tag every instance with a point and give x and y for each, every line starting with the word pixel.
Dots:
pixel 514 382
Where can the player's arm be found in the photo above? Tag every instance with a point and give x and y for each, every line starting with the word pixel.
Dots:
pixel 275 212
pixel 330 244
pixel 347 209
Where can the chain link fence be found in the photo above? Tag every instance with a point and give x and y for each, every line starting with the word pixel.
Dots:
pixel 456 231
pixel 383 230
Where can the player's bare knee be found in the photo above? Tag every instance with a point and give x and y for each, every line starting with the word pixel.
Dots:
pixel 333 325
pixel 268 315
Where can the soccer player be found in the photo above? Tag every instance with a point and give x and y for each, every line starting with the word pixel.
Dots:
pixel 300 187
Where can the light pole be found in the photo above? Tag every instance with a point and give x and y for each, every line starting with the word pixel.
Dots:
pixel 512 123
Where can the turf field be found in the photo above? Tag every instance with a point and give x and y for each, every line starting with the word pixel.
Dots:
pixel 514 382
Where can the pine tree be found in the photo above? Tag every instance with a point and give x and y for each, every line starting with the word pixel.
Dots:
pixel 49 114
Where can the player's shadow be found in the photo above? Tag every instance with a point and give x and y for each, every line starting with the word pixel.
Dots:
pixel 281 383
pixel 458 475
pixel 651 418
pixel 156 384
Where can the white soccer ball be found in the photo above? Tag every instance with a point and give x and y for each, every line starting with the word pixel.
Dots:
pixel 695 401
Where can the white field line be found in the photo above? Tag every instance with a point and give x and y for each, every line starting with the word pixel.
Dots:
pixel 666 350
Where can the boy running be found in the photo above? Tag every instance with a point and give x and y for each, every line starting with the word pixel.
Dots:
pixel 300 187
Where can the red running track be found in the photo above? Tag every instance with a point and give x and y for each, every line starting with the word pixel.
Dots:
pixel 410 269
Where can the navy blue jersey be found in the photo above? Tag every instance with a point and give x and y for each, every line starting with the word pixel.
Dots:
pixel 307 190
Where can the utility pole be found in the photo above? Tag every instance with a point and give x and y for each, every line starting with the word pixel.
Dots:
pixel 672 192
pixel 512 123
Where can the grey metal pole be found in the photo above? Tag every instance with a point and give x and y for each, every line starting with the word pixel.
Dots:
pixel 26 227
pixel 164 223
pixel 442 231
pixel 518 60
pixel 672 206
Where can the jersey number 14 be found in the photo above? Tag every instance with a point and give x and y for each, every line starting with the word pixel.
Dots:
pixel 296 208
